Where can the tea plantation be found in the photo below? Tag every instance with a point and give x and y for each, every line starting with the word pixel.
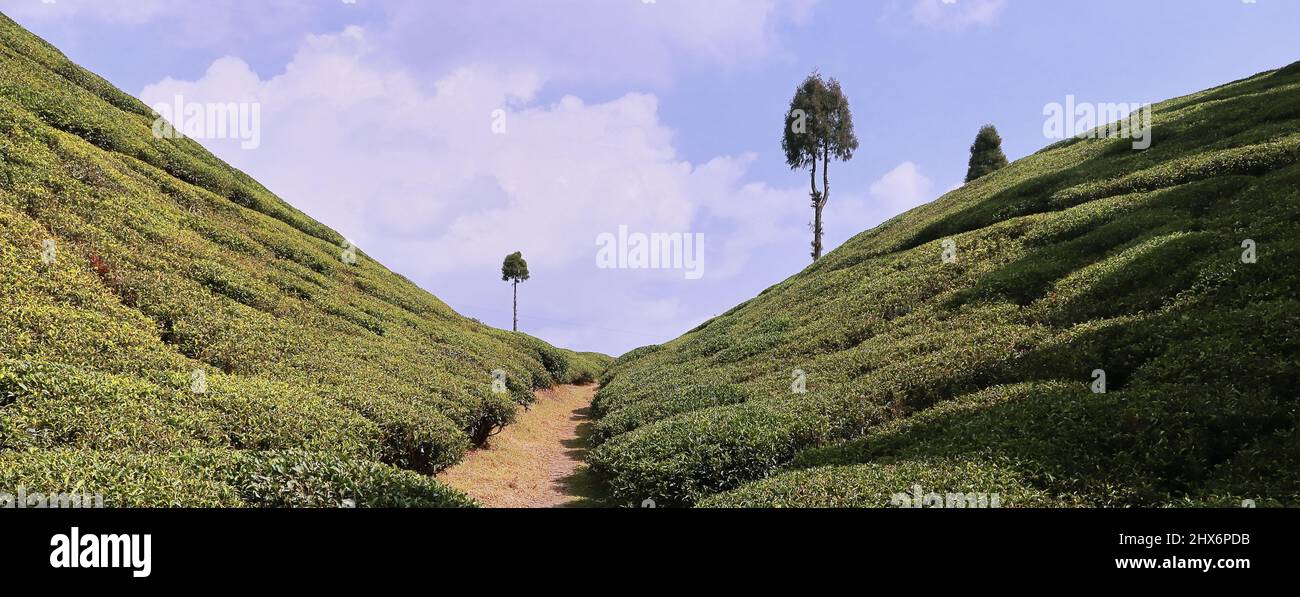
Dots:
pixel 130 263
pixel 1175 271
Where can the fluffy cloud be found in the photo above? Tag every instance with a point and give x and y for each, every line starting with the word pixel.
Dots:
pixel 438 168
pixel 439 180
pixel 902 188
pixel 441 173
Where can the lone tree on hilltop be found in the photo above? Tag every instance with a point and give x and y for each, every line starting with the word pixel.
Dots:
pixel 515 270
pixel 819 125
pixel 985 153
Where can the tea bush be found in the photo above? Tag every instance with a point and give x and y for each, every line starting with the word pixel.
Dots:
pixel 976 372
pixel 222 478
pixel 321 375
pixel 1138 447
pixel 959 483
pixel 123 478
pixel 649 411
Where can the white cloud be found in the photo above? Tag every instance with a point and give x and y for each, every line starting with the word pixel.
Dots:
pixel 385 133
pixel 957 14
pixel 902 188
pixel 401 156
pixel 414 173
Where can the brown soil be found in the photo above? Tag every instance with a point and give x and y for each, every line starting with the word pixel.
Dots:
pixel 537 461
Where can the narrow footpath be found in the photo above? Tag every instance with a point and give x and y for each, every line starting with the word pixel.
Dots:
pixel 537 461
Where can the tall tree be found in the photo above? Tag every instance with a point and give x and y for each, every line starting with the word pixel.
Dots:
pixel 515 270
pixel 818 126
pixel 985 153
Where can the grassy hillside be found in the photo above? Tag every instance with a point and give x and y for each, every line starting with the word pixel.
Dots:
pixel 325 381
pixel 974 376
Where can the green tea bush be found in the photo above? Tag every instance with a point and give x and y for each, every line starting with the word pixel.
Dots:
pixel 1263 473
pixel 660 382
pixel 957 484
pixel 1130 447
pixel 312 480
pixel 1086 255
pixel 681 459
pixel 51 406
pixel 649 411
pixel 124 479
pixel 170 261
pixel 1253 159
pixel 222 478
pixel 586 367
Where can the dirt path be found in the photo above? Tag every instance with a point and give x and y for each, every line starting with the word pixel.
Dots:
pixel 536 462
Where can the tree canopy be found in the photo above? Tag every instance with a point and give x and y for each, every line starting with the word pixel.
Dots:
pixel 514 269
pixel 985 153
pixel 818 125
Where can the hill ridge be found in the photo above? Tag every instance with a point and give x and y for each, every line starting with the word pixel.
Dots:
pixel 1084 256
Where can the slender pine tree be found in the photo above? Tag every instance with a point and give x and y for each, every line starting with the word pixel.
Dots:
pixel 514 270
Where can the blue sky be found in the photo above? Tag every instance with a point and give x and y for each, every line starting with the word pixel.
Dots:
pixel 377 119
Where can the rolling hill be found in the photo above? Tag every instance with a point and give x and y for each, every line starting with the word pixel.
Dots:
pixel 979 375
pixel 172 333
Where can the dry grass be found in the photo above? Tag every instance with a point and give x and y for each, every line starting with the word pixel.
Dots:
pixel 536 462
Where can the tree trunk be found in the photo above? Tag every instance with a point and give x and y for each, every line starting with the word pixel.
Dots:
pixel 826 181
pixel 817 229
pixel 812 178
pixel 515 326
pixel 819 199
pixel 817 210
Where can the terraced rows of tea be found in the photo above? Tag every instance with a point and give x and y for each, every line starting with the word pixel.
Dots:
pixel 172 333
pixel 1092 325
pixel 1174 272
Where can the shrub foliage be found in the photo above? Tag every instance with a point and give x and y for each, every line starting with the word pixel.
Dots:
pixel 976 372
pixel 323 377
